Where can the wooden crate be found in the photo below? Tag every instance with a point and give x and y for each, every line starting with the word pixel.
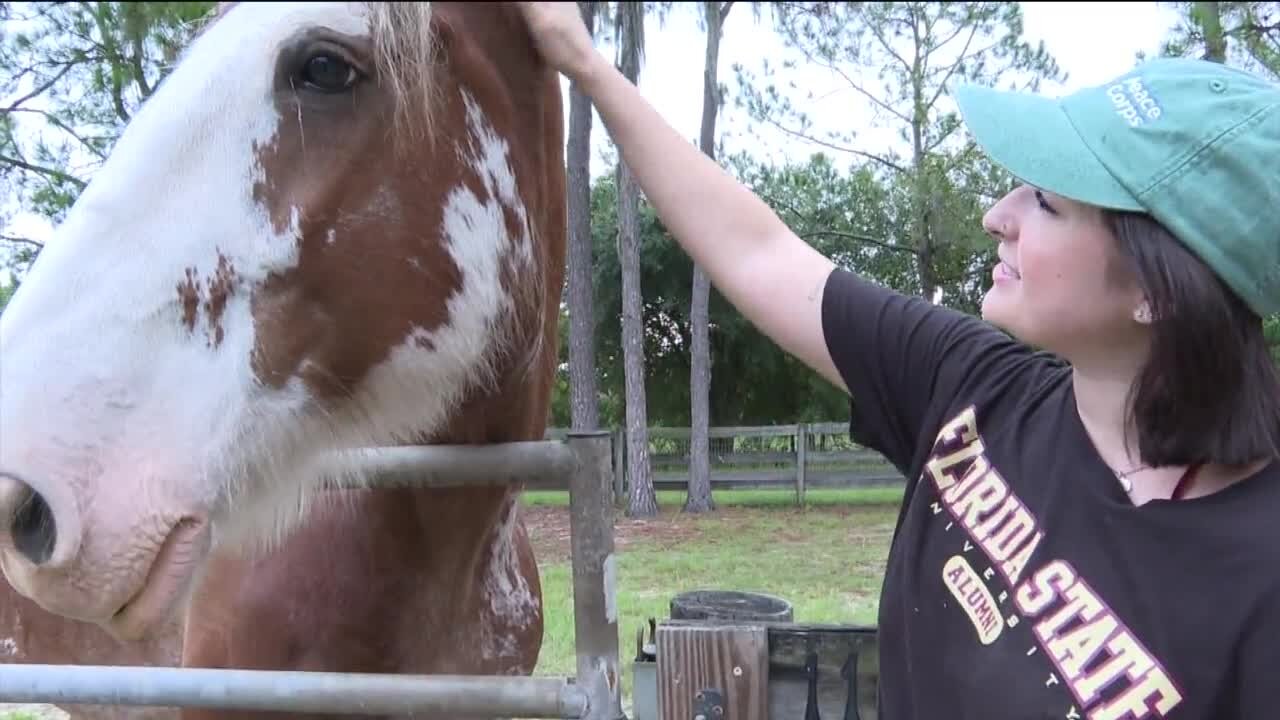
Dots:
pixel 763 670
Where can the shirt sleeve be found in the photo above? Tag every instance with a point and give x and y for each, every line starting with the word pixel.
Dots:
pixel 905 361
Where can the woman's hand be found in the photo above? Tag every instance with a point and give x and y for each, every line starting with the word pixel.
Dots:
pixel 560 36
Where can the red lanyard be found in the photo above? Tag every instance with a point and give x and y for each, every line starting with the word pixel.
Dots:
pixel 1185 481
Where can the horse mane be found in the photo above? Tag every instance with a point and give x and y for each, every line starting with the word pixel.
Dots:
pixel 404 54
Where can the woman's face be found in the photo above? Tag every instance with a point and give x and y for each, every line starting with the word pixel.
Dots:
pixel 1061 284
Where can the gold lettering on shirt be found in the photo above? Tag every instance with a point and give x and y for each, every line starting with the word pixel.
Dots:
pixel 974 597
pixel 1108 671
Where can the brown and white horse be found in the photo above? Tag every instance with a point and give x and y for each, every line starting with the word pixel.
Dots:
pixel 334 225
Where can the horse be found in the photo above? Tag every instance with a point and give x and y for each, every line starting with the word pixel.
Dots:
pixel 333 226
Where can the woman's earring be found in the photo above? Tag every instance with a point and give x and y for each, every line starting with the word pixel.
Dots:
pixel 1143 314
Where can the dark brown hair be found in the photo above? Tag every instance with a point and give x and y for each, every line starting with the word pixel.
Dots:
pixel 1210 391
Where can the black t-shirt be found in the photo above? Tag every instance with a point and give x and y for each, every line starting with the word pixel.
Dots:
pixel 1022 583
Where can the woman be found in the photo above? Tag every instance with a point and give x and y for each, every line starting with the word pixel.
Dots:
pixel 1091 526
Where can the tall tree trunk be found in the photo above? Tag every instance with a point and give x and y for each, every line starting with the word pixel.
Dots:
pixel 643 501
pixel 1208 15
pixel 583 396
pixel 921 237
pixel 699 494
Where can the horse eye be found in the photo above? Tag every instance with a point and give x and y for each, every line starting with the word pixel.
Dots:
pixel 329 73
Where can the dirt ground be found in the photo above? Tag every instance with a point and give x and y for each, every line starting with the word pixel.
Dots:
pixel 548 528
pixel 549 531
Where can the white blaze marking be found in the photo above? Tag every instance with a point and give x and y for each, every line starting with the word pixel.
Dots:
pixel 96 354
pixel 424 378
pixel 510 598
pixel 417 387
pixel 494 166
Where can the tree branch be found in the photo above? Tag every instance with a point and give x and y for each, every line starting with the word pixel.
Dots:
pixel 835 233
pixel 974 274
pixel 116 58
pixel 830 64
pixel 48 84
pixel 865 93
pixel 860 238
pixel 47 172
pixel 133 28
pixel 861 153
pixel 942 84
pixel 23 241
pixel 888 46
pixel 63 126
pixel 943 43
pixel 941 138
pixel 769 199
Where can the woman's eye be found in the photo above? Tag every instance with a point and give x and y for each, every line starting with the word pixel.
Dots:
pixel 1044 204
pixel 327 72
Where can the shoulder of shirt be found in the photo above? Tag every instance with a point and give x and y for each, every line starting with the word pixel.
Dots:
pixel 1001 364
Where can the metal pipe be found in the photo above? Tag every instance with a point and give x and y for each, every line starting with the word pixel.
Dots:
pixel 533 464
pixel 595 604
pixel 595 694
pixel 290 691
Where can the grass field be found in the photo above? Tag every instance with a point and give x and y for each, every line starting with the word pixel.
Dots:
pixel 827 560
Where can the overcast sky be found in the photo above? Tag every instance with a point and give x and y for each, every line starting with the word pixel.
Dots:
pixel 1090 43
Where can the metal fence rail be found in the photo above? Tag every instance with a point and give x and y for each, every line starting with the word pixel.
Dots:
pixel 312 692
pixel 534 464
pixel 594 694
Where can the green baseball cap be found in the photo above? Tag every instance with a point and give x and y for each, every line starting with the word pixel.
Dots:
pixel 1193 143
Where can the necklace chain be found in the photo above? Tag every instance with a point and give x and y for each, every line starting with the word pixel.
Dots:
pixel 1127 484
pixel 1123 477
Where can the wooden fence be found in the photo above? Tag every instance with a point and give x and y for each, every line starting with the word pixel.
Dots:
pixel 801 456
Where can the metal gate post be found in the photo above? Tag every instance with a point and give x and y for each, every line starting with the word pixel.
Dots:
pixel 595 605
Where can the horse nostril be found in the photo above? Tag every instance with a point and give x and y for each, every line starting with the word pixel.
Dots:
pixel 34 532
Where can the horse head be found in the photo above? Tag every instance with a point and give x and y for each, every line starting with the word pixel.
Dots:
pixel 331 227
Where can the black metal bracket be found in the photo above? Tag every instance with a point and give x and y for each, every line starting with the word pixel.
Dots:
pixel 850 674
pixel 709 704
pixel 647 651
pixel 811 669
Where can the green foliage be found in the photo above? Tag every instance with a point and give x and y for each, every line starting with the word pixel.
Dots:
pixel 900 60
pixel 6 292
pixel 74 74
pixel 1243 34
pixel 852 217
pixel 1271 330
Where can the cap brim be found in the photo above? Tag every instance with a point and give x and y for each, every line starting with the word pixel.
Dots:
pixel 1031 137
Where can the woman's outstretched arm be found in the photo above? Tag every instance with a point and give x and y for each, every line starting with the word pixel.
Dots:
pixel 770 275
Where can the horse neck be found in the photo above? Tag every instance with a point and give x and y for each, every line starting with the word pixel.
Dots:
pixel 515 411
